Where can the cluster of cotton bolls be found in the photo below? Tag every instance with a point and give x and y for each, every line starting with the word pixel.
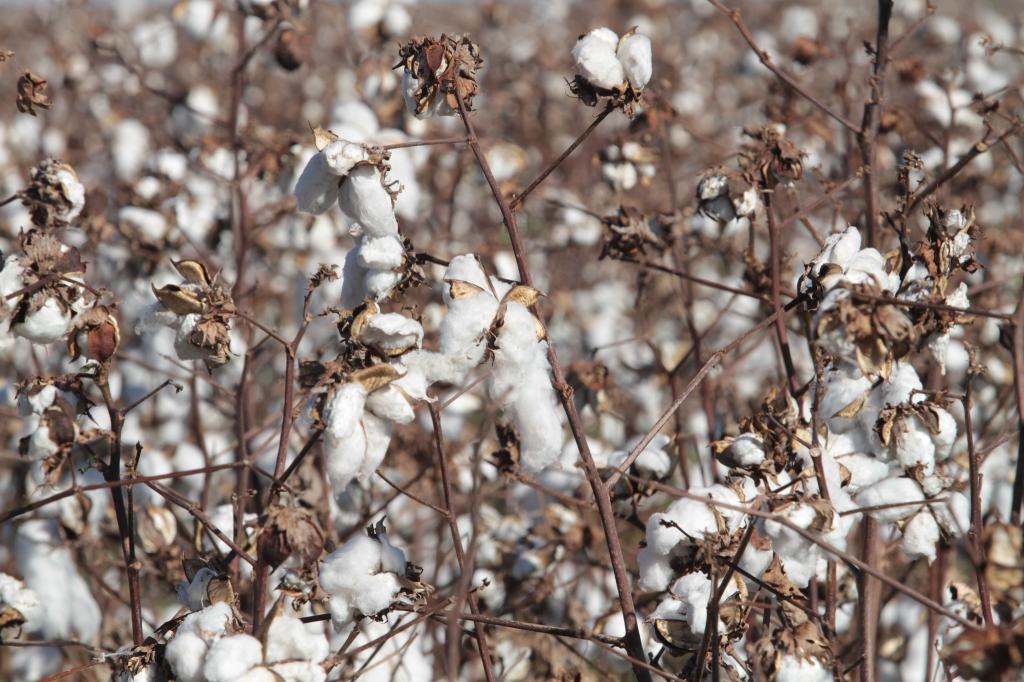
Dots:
pixel 207 647
pixel 358 414
pixel 884 447
pixel 340 172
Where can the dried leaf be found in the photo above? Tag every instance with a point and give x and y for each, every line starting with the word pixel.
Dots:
pixel 32 93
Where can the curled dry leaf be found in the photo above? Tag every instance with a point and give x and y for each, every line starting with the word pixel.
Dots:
pixel 32 93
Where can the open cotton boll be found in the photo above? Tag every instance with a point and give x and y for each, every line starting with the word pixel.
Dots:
pixel 655 570
pixel 354 577
pixel 345 456
pixel 462 331
pixel 317 187
pixel 381 253
pixel 341 156
pixel 653 459
pixel 891 491
pixel 745 451
pixel 14 594
pixel 694 519
pixel 464 268
pixel 365 201
pixel 913 445
pixel 634 53
pixel 44 325
pixel 920 536
pixel 595 59
pixel 391 333
pixel 185 654
pixel 229 657
pixel 361 555
pixel 843 387
pixel 946 437
pixel 290 638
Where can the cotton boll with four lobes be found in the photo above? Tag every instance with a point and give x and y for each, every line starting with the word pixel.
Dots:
pixel 799 556
pixel 595 59
pixel 229 657
pixel 364 200
pixel 634 52
pixel 920 536
pixel 355 578
pixel 317 188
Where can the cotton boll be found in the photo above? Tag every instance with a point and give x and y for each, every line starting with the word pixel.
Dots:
pixel 755 560
pixel 129 148
pixel 344 410
pixel 391 333
pixel 864 470
pixel 185 654
pixel 913 445
pixel 359 556
pixel 290 638
pixel 14 594
pixel 340 156
pixel 655 571
pixel 920 536
pixel 595 59
pixel 365 201
pixel 843 388
pixel 746 450
pixel 634 53
pixel 953 516
pixel 45 325
pixel 365 14
pixel 317 187
pixel 694 520
pixel 345 456
pixel 156 42
pixel 381 253
pixel 891 491
pixel 229 657
pixel 396 21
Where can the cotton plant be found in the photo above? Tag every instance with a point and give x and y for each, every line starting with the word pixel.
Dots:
pixel 626 165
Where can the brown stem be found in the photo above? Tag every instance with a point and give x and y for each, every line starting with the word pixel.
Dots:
pixel 122 500
pixel 976 528
pixel 869 593
pixel 520 197
pixel 634 643
pixel 460 554
pixel 868 135
pixel 765 58
pixel 775 261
